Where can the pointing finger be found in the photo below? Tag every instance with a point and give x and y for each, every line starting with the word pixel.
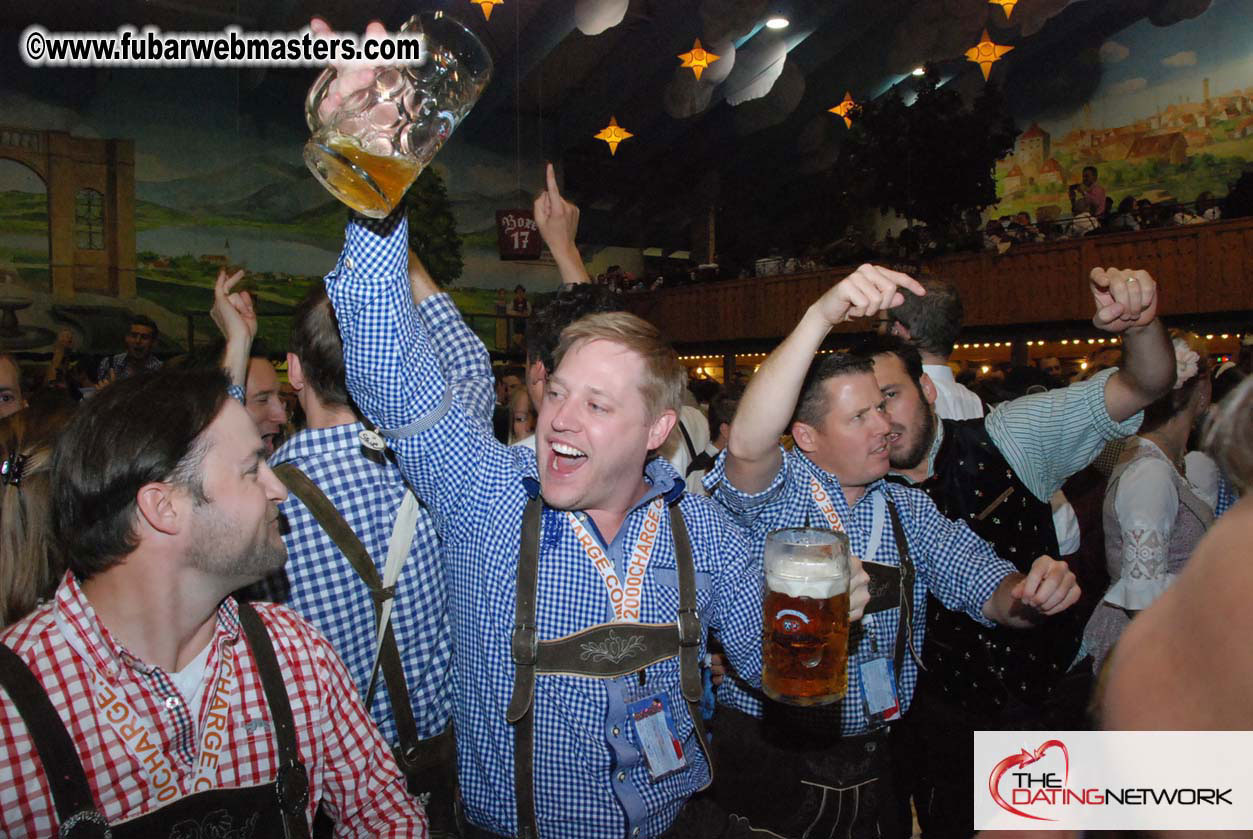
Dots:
pixel 552 182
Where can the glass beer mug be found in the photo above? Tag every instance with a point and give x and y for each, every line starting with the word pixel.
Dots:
pixel 370 150
pixel 805 616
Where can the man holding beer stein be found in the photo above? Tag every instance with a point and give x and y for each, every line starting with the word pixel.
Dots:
pixel 582 579
pixel 818 762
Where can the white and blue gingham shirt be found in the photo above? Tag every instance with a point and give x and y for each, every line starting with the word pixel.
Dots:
pixel 367 490
pixel 952 563
pixel 324 588
pixel 590 778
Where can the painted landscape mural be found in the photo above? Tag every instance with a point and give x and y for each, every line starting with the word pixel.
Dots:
pixel 1171 118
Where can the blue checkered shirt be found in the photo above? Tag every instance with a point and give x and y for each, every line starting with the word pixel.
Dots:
pixel 319 583
pixel 590 778
pixel 952 563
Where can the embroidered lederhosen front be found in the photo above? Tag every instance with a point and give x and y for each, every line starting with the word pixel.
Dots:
pixel 257 812
pixel 647 644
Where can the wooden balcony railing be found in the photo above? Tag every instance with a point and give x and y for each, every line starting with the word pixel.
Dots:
pixel 1202 269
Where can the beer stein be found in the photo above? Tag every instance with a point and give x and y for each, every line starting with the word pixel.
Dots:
pixel 370 150
pixel 805 616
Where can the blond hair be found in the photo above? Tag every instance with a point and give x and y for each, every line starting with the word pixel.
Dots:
pixel 664 377
pixel 1229 437
pixel 27 571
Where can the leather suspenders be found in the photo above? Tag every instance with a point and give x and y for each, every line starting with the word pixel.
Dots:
pixel 71 794
pixel 905 623
pixel 637 645
pixel 292 782
pixel 76 809
pixel 332 522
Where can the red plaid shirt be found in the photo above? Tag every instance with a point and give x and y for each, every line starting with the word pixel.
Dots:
pixel 68 649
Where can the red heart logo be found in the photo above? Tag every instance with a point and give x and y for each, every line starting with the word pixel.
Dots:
pixel 1025 758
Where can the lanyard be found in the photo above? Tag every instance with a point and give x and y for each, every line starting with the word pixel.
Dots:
pixel 130 728
pixel 624 596
pixel 825 506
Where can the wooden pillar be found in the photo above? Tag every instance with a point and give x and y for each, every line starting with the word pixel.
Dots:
pixel 1018 354
pixel 728 369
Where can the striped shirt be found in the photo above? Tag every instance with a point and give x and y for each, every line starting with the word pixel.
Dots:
pixel 78 660
pixel 590 776
pixel 1047 437
pixel 952 563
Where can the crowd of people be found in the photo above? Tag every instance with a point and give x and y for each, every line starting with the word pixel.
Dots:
pixel 528 602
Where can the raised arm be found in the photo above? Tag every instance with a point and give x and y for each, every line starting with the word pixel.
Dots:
pixel 392 370
pixel 463 360
pixel 558 221
pixel 766 408
pixel 236 318
pixel 1126 303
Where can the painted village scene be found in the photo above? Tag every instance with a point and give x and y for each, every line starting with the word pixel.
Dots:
pixel 127 191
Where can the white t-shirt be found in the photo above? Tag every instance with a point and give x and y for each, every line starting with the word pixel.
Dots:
pixel 190 681
pixel 952 400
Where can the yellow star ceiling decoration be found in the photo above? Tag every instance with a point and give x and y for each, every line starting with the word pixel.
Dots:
pixel 844 107
pixel 698 59
pixel 486 6
pixel 985 54
pixel 613 134
pixel 1007 5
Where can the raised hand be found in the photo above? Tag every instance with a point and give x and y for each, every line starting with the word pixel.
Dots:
pixel 1125 298
pixel 556 218
pixel 866 292
pixel 233 311
pixel 349 78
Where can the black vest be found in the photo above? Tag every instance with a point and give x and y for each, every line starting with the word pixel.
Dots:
pixel 978 667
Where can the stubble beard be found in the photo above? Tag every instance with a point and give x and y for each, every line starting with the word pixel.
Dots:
pixel 922 443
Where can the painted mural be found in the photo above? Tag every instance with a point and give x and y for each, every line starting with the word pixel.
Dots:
pixel 214 185
pixel 1171 118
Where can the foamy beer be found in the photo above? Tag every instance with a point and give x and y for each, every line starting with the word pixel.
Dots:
pixel 805 616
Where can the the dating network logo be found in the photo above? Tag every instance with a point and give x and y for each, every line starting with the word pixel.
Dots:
pixel 1113 780
pixel 1021 789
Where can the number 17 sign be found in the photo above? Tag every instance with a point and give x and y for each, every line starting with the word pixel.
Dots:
pixel 516 235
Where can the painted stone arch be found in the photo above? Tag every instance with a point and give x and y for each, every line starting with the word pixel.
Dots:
pixel 91 246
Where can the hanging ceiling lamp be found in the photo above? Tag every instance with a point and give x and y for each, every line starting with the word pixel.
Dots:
pixel 698 59
pixel 985 54
pixel 844 107
pixel 486 6
pixel 613 134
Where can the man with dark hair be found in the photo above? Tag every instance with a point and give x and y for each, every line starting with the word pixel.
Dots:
pixel 1051 366
pixel 800 771
pixel 1093 193
pixel 247 364
pixel 141 339
pixel 342 523
pixel 998 474
pixel 162 702
pixel 721 411
pixel 508 379
pixel 11 399
pixel 932 324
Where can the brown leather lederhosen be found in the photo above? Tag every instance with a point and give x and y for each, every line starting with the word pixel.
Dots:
pixel 430 765
pixel 656 642
pixel 792 773
pixel 258 812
